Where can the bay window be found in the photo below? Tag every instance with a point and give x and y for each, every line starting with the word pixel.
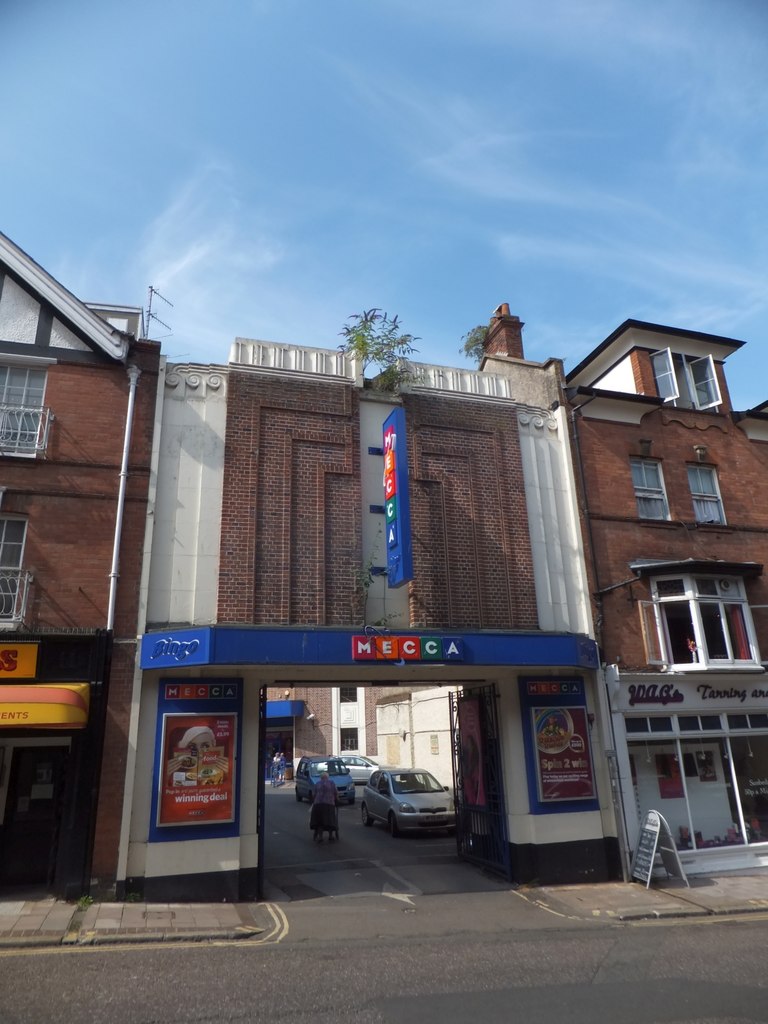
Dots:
pixel 696 622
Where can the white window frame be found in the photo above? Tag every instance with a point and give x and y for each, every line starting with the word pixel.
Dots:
pixel 646 492
pixel 686 381
pixel 705 502
pixel 14 581
pixel 715 618
pixel 24 420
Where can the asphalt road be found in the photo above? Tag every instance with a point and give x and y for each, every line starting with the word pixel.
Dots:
pixel 682 974
pixel 398 931
pixel 363 861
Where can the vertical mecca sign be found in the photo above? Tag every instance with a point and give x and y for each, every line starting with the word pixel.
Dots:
pixel 397 504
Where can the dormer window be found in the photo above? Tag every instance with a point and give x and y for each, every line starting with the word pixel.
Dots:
pixel 685 381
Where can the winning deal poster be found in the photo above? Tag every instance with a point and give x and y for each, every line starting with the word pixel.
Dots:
pixel 198 780
pixel 197 739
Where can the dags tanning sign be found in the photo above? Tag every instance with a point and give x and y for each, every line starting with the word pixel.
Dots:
pixel 397 505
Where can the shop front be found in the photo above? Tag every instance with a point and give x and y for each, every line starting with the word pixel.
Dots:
pixel 697 752
pixel 196 817
pixel 50 736
pixel 279 738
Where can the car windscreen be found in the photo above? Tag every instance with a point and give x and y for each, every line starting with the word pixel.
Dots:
pixel 415 782
pixel 332 767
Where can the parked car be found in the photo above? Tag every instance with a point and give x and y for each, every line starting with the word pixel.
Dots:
pixel 360 768
pixel 308 775
pixel 407 798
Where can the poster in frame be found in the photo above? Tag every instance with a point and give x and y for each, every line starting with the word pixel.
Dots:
pixel 197 782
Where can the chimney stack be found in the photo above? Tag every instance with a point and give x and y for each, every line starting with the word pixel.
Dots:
pixel 505 334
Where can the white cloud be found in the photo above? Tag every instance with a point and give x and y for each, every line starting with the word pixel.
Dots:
pixel 207 258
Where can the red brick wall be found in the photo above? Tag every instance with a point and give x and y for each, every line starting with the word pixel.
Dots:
pixel 316 737
pixel 70 499
pixel 642 372
pixel 620 537
pixel 473 566
pixel 291 524
pixel 112 778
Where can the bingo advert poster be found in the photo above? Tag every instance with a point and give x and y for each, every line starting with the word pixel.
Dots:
pixel 197 784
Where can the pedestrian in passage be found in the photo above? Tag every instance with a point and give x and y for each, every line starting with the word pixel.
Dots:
pixel 323 816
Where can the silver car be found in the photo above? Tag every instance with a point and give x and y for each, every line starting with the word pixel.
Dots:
pixel 360 768
pixel 407 798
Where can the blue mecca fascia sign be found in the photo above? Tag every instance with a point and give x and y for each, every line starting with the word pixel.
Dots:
pixel 397 501
pixel 180 649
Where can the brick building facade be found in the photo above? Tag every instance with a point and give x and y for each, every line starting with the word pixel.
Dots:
pixel 77 406
pixel 672 482
pixel 282 454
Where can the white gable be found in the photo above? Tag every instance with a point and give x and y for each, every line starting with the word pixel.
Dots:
pixel 62 337
pixel 20 310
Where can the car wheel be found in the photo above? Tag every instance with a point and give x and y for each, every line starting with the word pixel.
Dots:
pixel 298 796
pixel 351 800
pixel 367 819
pixel 394 831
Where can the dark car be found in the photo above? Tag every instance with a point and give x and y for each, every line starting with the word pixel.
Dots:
pixel 308 775
pixel 407 798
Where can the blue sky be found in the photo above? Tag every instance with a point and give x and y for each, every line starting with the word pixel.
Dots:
pixel 274 166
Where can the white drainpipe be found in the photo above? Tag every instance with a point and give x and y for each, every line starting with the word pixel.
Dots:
pixel 133 376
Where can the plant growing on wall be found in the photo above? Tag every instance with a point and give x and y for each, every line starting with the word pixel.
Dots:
pixel 472 343
pixel 364 577
pixel 378 342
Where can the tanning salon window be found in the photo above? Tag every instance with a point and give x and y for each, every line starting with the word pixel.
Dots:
pixel 699 622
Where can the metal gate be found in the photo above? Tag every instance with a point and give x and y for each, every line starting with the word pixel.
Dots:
pixel 481 818
pixel 260 790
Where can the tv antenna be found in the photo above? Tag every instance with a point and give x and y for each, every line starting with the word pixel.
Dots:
pixel 153 316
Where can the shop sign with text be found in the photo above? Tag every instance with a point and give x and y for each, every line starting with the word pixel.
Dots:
pixel 18 661
pixel 397 503
pixel 407 648
pixel 691 695
pixel 174 650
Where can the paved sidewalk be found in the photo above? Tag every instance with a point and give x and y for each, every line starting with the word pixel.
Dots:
pixel 50 922
pixel 705 896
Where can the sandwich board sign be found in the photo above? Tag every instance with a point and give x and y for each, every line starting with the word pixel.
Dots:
pixel 655 838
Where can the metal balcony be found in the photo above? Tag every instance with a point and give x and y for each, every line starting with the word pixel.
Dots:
pixel 14 593
pixel 24 429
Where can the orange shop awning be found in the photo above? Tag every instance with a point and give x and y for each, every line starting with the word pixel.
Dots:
pixel 50 706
